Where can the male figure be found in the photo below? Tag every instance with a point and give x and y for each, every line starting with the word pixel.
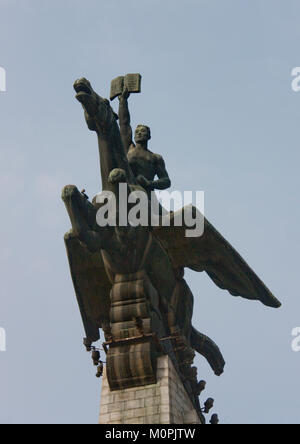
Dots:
pixel 144 164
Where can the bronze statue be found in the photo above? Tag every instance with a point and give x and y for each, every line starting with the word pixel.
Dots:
pixel 129 280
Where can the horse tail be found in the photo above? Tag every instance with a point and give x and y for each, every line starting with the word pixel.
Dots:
pixel 209 349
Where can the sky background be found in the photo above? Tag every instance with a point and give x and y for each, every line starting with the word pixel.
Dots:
pixel 216 92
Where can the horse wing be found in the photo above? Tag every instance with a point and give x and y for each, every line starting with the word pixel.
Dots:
pixel 214 255
pixel 91 284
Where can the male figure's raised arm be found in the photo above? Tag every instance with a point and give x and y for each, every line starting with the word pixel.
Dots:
pixel 124 120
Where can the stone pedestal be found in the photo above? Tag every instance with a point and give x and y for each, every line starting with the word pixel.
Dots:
pixel 165 402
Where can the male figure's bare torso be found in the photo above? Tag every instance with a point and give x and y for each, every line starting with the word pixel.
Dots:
pixel 143 162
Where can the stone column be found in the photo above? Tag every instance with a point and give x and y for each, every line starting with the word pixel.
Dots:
pixel 165 402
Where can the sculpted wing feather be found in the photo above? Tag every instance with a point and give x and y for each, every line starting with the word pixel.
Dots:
pixel 91 284
pixel 213 254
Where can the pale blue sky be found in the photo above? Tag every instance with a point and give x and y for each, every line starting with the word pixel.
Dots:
pixel 216 91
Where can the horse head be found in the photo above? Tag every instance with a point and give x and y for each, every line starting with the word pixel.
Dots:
pixel 98 113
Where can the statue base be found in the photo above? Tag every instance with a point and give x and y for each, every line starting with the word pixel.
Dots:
pixel 165 402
